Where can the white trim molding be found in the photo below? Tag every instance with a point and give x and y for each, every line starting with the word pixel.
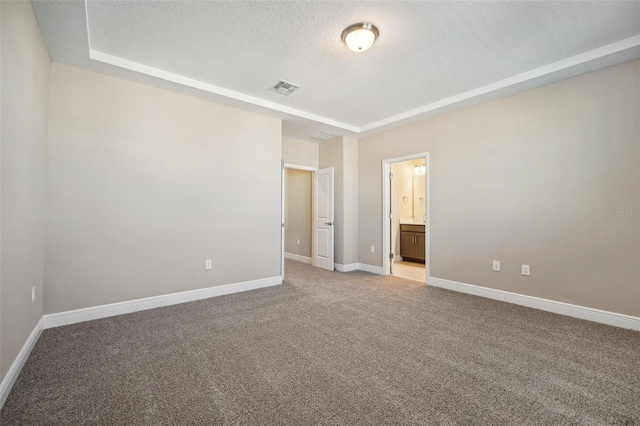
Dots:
pixel 117 61
pixel 568 309
pixel 113 309
pixel 387 204
pixel 460 99
pixel 300 167
pixel 14 371
pixel 129 306
pixel 548 69
pixel 339 267
pixel 370 268
pixel 346 268
pixel 299 258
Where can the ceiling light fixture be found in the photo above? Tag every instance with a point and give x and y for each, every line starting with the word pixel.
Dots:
pixel 359 37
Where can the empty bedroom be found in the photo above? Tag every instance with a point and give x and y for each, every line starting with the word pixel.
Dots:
pixel 327 212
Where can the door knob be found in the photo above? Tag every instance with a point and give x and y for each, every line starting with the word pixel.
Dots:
pixel 329 223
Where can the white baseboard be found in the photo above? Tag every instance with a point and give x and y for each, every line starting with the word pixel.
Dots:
pixel 299 258
pixel 104 311
pixel 576 311
pixel 14 371
pixel 129 306
pixel 397 258
pixel 346 268
pixel 370 268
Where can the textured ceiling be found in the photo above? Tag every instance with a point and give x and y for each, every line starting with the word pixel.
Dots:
pixel 427 52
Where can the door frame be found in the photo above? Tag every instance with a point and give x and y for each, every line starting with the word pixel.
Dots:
pixel 392 206
pixel 285 166
pixel 386 198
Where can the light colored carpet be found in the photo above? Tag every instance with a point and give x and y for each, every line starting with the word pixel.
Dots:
pixel 332 348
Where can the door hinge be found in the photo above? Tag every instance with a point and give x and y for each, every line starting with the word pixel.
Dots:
pixel 390 255
pixel 390 215
pixel 390 175
pixel 283 225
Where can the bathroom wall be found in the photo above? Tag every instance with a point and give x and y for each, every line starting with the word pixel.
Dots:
pixel 409 197
pixel 403 199
pixel 419 195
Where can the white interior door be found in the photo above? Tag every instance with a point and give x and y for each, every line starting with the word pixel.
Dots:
pixel 323 244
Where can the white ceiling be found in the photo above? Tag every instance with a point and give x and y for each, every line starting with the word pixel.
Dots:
pixel 430 57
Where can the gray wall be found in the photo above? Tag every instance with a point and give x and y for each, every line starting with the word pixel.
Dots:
pixel 25 92
pixel 300 153
pixel 350 202
pixel 298 212
pixel 535 178
pixel 145 184
pixel 341 153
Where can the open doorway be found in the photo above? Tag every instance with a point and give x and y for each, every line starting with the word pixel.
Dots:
pixel 406 217
pixel 298 235
pixel 308 215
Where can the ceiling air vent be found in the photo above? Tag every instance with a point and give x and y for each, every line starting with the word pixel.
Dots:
pixel 323 136
pixel 284 88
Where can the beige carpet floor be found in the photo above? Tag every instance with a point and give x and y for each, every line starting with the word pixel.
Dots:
pixel 332 348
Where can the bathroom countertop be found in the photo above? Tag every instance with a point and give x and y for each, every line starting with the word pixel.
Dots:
pixel 411 222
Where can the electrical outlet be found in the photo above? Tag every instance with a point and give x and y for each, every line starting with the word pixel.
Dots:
pixel 298 241
pixel 208 264
pixel 496 265
pixel 526 271
pixel 33 294
pixel 373 249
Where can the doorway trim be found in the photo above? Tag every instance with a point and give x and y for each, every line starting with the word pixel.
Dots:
pixel 285 166
pixel 386 197
pixel 298 167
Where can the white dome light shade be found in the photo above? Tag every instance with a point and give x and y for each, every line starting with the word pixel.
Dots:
pixel 359 37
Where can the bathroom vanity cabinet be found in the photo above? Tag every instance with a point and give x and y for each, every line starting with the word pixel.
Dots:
pixel 412 243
